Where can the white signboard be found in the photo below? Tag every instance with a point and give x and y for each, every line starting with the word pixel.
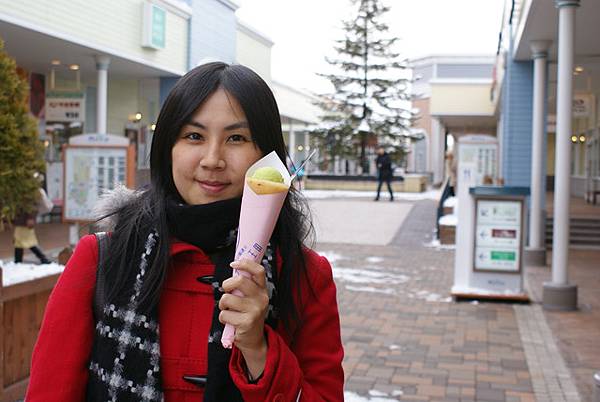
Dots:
pixel 65 106
pixel 498 235
pixel 54 182
pixel 88 172
pixel 582 105
pixel 477 162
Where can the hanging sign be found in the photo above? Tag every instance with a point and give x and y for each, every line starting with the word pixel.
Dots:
pixel 65 106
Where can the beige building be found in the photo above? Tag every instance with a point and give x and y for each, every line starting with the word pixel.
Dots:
pixel 452 95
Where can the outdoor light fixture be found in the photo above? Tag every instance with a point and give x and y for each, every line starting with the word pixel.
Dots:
pixel 55 62
pixel 578 69
pixel 573 138
pixel 582 138
pixel 138 116
pixel 300 147
pixel 153 127
pixel 74 67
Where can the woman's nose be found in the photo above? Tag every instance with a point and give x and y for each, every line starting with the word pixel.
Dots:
pixel 213 158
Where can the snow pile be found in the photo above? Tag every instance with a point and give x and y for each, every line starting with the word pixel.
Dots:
pixel 435 243
pixel 13 273
pixel 377 396
pixel 448 220
pixel 323 194
pixel 451 202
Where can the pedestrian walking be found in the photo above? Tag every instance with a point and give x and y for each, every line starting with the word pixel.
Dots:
pixel 384 172
pixel 144 323
pixel 24 236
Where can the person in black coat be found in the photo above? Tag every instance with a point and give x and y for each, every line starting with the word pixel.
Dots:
pixel 384 170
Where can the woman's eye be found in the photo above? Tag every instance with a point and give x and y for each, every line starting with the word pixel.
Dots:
pixel 194 136
pixel 237 138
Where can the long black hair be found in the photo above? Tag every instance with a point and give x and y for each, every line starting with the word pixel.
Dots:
pixel 147 212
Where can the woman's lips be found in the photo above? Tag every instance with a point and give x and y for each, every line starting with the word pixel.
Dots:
pixel 212 186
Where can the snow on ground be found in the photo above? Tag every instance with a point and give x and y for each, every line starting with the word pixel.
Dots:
pixel 368 275
pixel 17 273
pixel 331 256
pixel 435 243
pixel 377 396
pixel 320 194
pixel 374 260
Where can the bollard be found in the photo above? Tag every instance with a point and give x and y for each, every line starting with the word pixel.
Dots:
pixel 596 387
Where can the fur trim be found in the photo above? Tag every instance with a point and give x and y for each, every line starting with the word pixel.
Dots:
pixel 111 201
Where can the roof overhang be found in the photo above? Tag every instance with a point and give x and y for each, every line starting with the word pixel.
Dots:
pixel 34 50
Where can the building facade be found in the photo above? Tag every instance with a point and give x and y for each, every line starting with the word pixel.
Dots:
pixel 451 95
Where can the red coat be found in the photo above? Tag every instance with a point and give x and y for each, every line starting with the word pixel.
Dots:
pixel 312 366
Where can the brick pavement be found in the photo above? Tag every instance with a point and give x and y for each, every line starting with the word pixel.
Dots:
pixel 406 340
pixel 576 333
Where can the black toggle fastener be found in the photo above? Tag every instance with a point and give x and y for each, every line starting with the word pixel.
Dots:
pixel 207 279
pixel 199 380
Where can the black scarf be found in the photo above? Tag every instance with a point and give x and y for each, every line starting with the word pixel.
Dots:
pixel 125 355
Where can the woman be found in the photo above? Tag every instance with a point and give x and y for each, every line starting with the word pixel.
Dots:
pixel 168 267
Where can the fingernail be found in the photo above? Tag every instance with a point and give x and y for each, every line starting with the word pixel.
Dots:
pixel 234 264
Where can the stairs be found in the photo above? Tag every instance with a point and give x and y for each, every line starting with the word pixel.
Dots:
pixel 584 232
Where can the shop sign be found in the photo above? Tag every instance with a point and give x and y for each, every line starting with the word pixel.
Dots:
pixel 65 106
pixel 581 105
pixel 498 235
pixel 154 26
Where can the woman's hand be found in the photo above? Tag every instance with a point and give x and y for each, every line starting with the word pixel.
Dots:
pixel 247 313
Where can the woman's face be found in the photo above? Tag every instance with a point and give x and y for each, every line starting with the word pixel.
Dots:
pixel 213 151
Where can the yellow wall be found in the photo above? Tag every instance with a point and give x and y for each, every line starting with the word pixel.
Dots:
pixel 461 99
pixel 112 24
pixel 254 54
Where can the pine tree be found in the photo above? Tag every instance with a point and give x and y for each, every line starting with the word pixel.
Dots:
pixel 21 151
pixel 366 107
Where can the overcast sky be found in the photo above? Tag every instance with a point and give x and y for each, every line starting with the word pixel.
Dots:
pixel 304 31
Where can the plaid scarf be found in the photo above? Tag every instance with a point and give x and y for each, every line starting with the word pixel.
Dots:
pixel 125 359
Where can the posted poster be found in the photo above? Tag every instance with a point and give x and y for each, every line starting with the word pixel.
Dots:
pixel 88 172
pixel 498 235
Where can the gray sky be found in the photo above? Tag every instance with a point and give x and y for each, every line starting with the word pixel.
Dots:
pixel 304 31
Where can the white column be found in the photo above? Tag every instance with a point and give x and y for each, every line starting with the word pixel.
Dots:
pixel 437 145
pixel 536 226
pixel 102 63
pixel 562 177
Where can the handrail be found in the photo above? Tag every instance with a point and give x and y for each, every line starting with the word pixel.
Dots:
pixel 446 193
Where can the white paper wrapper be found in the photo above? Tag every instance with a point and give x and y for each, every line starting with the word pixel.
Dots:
pixel 258 217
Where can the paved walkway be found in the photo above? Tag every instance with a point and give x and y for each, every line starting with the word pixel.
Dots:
pixel 405 339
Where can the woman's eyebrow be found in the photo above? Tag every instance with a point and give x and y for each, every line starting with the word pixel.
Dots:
pixel 235 126
pixel 196 124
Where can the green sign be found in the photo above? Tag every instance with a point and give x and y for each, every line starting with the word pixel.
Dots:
pixel 503 256
pixel 159 25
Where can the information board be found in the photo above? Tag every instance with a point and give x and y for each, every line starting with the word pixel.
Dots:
pixel 88 172
pixel 498 235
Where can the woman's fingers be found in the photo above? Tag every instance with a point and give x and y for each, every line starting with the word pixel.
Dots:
pixel 255 305
pixel 256 271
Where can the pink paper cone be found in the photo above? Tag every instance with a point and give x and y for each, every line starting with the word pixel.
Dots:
pixel 258 217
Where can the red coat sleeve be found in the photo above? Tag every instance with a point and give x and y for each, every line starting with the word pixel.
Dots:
pixel 311 369
pixel 59 366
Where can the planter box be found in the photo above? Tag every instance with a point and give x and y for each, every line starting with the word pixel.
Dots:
pixel 22 308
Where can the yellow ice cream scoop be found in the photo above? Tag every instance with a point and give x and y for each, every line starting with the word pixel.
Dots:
pixel 267 180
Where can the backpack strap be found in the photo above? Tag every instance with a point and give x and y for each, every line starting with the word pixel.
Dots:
pixel 99 296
